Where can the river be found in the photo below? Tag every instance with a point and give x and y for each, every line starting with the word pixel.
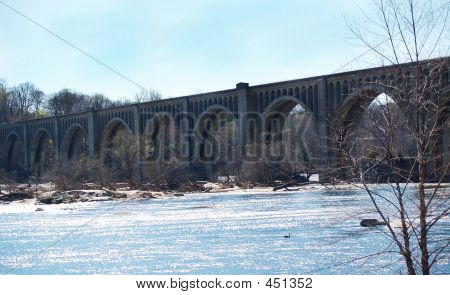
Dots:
pixel 201 234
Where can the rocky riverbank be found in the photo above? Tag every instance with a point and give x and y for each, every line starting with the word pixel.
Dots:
pixel 46 193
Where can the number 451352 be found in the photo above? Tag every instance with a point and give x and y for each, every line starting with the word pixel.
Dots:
pixel 289 283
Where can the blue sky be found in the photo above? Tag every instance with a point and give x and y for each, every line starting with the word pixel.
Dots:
pixel 176 47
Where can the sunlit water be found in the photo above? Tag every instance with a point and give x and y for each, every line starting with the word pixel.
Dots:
pixel 200 234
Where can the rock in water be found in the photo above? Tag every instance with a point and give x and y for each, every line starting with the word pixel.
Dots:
pixel 39 209
pixel 371 222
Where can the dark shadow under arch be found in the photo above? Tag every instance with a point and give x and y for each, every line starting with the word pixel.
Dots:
pixel 112 129
pixel 358 101
pixel 74 145
pixel 42 152
pixel 217 139
pixel 161 138
pixel 274 117
pixel 13 153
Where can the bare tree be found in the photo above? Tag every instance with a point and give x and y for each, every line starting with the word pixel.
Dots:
pixel 266 160
pixel 405 185
pixel 66 102
pixel 125 156
pixel 70 175
pixel 145 95
pixel 226 147
pixel 300 140
pixel 25 99
pixel 4 102
pixel 286 151
pixel 99 101
pixel 161 155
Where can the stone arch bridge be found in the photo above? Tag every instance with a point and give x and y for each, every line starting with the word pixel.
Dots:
pixel 329 98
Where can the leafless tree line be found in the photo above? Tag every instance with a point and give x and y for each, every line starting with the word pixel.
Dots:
pixel 25 101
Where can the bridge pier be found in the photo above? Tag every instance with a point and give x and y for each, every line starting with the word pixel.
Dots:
pixel 57 142
pixel 25 148
pixel 322 128
pixel 242 94
pixel 91 134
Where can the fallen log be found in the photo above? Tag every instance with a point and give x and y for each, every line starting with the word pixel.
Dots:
pixel 287 185
pixel 291 189
pixel 16 196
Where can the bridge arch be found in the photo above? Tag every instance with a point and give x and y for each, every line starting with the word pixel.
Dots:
pixel 359 124
pixel 275 115
pixel 114 127
pixel 161 136
pixel 217 140
pixel 42 152
pixel 13 153
pixel 74 144
pixel 358 101
pixel 289 132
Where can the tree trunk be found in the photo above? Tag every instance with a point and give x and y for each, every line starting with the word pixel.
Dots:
pixel 420 117
pixel 423 240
